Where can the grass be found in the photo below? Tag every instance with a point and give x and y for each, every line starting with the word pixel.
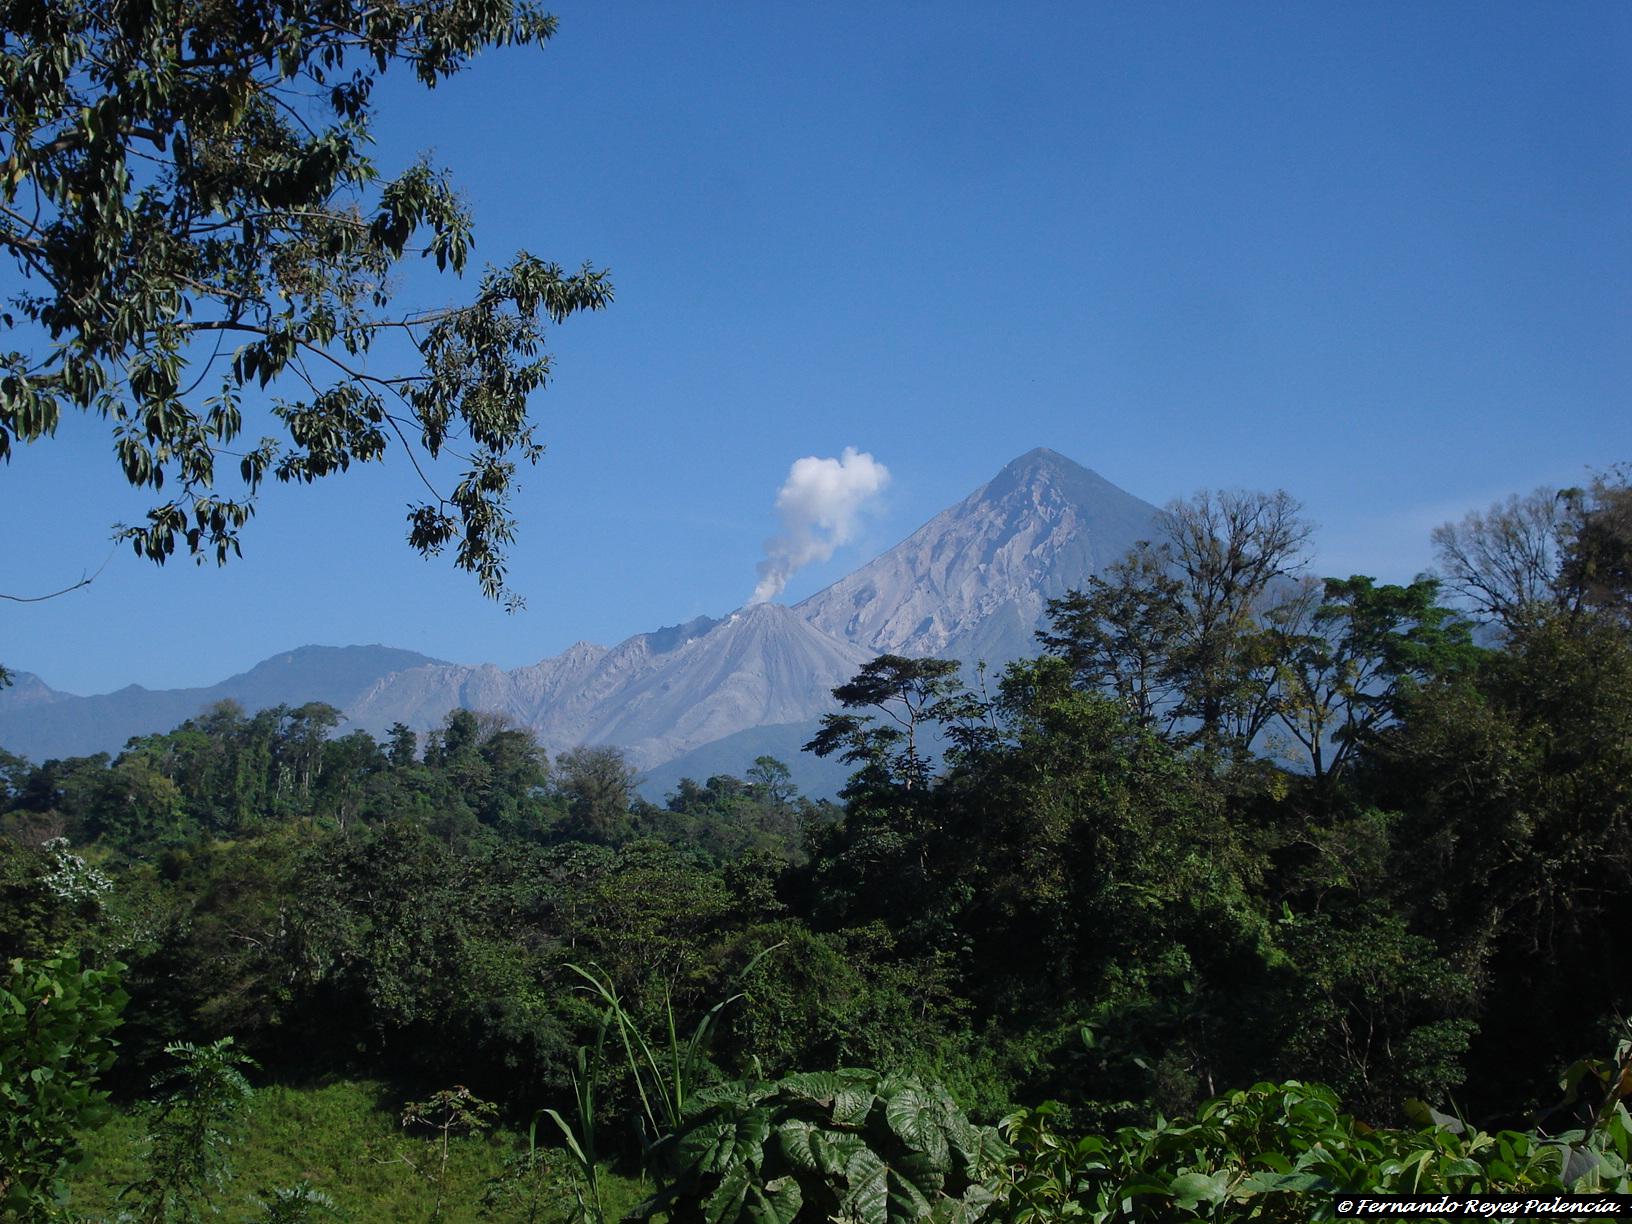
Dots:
pixel 345 1139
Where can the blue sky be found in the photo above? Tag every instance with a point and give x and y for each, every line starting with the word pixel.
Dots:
pixel 1378 255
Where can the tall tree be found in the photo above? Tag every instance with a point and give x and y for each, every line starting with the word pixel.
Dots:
pixel 1347 662
pixel 597 784
pixel 1178 628
pixel 1120 631
pixel 1503 561
pixel 1228 551
pixel 1564 550
pixel 911 694
pixel 186 193
pixel 1595 562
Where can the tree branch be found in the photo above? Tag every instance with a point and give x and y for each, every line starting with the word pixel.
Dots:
pixel 83 582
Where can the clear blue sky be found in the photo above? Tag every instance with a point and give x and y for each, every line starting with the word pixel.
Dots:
pixel 1379 255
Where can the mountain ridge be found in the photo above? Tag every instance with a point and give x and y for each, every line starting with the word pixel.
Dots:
pixel 66 724
pixel 973 583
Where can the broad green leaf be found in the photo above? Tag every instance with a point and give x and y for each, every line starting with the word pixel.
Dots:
pixel 818 1087
pixel 1424 1114
pixel 977 1200
pixel 808 1146
pixel 917 1118
pixel 719 1144
pixel 724 1206
pixel 868 1198
pixel 922 1170
pixel 777 1202
pixel 853 1102
pixel 906 1200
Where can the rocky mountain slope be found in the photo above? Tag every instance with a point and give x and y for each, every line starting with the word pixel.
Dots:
pixel 657 695
pixel 973 582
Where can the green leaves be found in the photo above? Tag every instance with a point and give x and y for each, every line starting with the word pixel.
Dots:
pixel 1249 1153
pixel 848 1144
pixel 181 213
pixel 194 1126
pixel 920 1121
pixel 56 1018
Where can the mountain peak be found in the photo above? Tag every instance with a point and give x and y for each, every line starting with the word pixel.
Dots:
pixel 1043 466
pixel 974 581
pixel 1039 456
pixel 765 610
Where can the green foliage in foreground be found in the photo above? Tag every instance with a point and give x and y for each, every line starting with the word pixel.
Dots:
pixel 850 1145
pixel 856 1146
pixel 1281 1152
pixel 55 1021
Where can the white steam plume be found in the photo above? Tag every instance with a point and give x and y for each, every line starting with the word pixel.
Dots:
pixel 819 503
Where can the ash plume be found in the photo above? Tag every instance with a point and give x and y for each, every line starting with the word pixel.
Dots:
pixel 820 504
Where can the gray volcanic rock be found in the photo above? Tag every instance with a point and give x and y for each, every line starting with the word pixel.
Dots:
pixel 762 665
pixel 562 692
pixel 421 697
pixel 973 582
pixel 656 695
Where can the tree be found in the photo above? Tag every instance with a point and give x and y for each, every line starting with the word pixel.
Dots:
pixel 186 193
pixel 444 1113
pixel 1595 562
pixel 1119 633
pixel 1503 561
pixel 1177 628
pixel 1513 847
pixel 1349 660
pixel 914 694
pixel 774 780
pixel 597 784
pixel 1228 551
pixel 1555 549
pixel 298 753
pixel 403 749
pixel 193 1127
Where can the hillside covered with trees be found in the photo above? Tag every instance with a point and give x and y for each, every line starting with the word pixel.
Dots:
pixel 1122 888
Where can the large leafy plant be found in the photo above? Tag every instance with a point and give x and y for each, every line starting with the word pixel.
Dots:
pixel 849 1145
pixel 1283 1152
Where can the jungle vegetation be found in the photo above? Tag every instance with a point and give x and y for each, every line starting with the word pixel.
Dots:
pixel 1117 889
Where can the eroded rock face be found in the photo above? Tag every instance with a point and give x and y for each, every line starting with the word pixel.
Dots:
pixel 656 695
pixel 973 582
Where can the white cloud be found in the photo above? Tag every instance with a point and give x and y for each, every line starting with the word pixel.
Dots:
pixel 820 504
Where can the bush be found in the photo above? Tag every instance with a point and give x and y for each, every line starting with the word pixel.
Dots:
pixel 55 1021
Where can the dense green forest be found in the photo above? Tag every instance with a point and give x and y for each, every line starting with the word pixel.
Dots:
pixel 1230 827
